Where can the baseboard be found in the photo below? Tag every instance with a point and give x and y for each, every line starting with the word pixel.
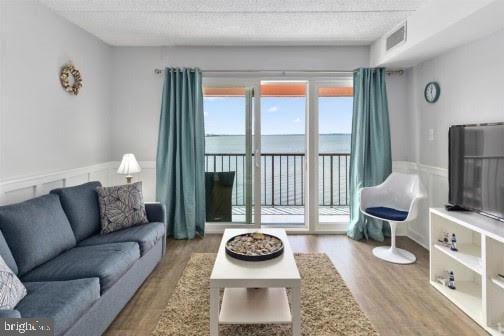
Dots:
pixel 218 228
pixel 417 238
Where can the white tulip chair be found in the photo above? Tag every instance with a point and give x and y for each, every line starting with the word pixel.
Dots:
pixel 396 201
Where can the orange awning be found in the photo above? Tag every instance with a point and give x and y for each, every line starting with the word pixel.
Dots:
pixel 278 90
pixel 283 90
pixel 343 91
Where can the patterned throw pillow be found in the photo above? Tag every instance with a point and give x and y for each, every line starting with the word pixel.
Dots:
pixel 121 207
pixel 12 289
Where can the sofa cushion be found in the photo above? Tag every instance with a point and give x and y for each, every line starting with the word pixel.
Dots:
pixel 6 254
pixel 11 289
pixel 121 207
pixel 106 262
pixel 36 230
pixel 146 235
pixel 81 207
pixel 62 301
pixel 6 313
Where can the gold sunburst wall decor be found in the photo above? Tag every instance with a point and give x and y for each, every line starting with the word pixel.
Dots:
pixel 70 79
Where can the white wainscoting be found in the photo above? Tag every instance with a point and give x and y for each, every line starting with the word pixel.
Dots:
pixel 19 189
pixel 26 187
pixel 22 188
pixel 435 180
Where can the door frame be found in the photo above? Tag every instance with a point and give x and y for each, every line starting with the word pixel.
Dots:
pixel 313 83
pixel 254 85
pixel 315 225
pixel 293 79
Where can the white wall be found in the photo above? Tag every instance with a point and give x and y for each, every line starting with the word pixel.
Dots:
pixel 400 118
pixel 136 96
pixel 437 27
pixel 43 128
pixel 472 86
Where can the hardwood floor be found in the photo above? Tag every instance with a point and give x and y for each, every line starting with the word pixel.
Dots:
pixel 397 298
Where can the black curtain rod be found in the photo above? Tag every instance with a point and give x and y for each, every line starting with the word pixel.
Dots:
pixel 389 72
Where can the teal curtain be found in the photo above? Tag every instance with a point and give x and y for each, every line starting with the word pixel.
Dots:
pixel 370 160
pixel 180 169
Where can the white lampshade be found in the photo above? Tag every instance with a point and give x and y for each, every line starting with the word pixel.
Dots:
pixel 129 165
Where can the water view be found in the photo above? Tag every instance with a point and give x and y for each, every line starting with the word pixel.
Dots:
pixel 282 167
pixel 283 160
pixel 281 143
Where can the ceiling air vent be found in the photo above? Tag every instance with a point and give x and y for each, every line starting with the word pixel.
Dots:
pixel 397 37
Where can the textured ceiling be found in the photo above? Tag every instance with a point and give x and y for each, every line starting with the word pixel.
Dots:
pixel 236 22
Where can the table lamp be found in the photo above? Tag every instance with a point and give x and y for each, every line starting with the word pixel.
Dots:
pixel 129 165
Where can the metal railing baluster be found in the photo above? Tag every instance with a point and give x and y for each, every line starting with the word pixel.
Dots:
pixel 336 186
pixel 323 179
pixel 332 182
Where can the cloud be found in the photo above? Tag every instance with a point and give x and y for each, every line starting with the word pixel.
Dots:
pixel 297 120
pixel 273 109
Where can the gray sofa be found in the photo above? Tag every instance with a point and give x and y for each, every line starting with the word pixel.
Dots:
pixel 73 274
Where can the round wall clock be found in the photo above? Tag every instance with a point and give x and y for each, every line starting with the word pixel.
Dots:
pixel 432 92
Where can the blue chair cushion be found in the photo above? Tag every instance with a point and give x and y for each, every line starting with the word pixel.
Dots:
pixel 106 262
pixel 6 254
pixel 36 230
pixel 146 235
pixel 388 213
pixel 81 207
pixel 62 301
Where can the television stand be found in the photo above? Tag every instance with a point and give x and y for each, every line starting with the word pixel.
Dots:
pixel 476 265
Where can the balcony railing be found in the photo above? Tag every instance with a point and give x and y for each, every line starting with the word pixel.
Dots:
pixel 283 177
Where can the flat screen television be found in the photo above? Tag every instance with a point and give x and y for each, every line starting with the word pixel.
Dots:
pixel 476 168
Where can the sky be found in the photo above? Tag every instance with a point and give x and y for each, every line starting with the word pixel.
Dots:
pixel 279 115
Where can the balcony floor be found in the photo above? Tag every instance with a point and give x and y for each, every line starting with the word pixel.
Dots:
pixel 294 214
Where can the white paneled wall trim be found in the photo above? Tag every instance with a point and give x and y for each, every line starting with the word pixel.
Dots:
pixel 22 188
pixel 19 189
pixel 435 180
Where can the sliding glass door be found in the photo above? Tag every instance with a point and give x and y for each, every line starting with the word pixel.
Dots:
pixel 228 109
pixel 283 144
pixel 332 107
pixel 277 152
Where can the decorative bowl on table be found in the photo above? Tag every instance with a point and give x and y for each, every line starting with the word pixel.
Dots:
pixel 255 246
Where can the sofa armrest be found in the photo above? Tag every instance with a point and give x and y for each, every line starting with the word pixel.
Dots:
pixel 8 313
pixel 155 212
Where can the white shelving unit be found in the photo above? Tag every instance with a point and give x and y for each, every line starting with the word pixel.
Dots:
pixel 468 255
pixel 480 257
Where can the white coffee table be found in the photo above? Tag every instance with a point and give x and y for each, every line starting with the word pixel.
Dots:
pixel 255 292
